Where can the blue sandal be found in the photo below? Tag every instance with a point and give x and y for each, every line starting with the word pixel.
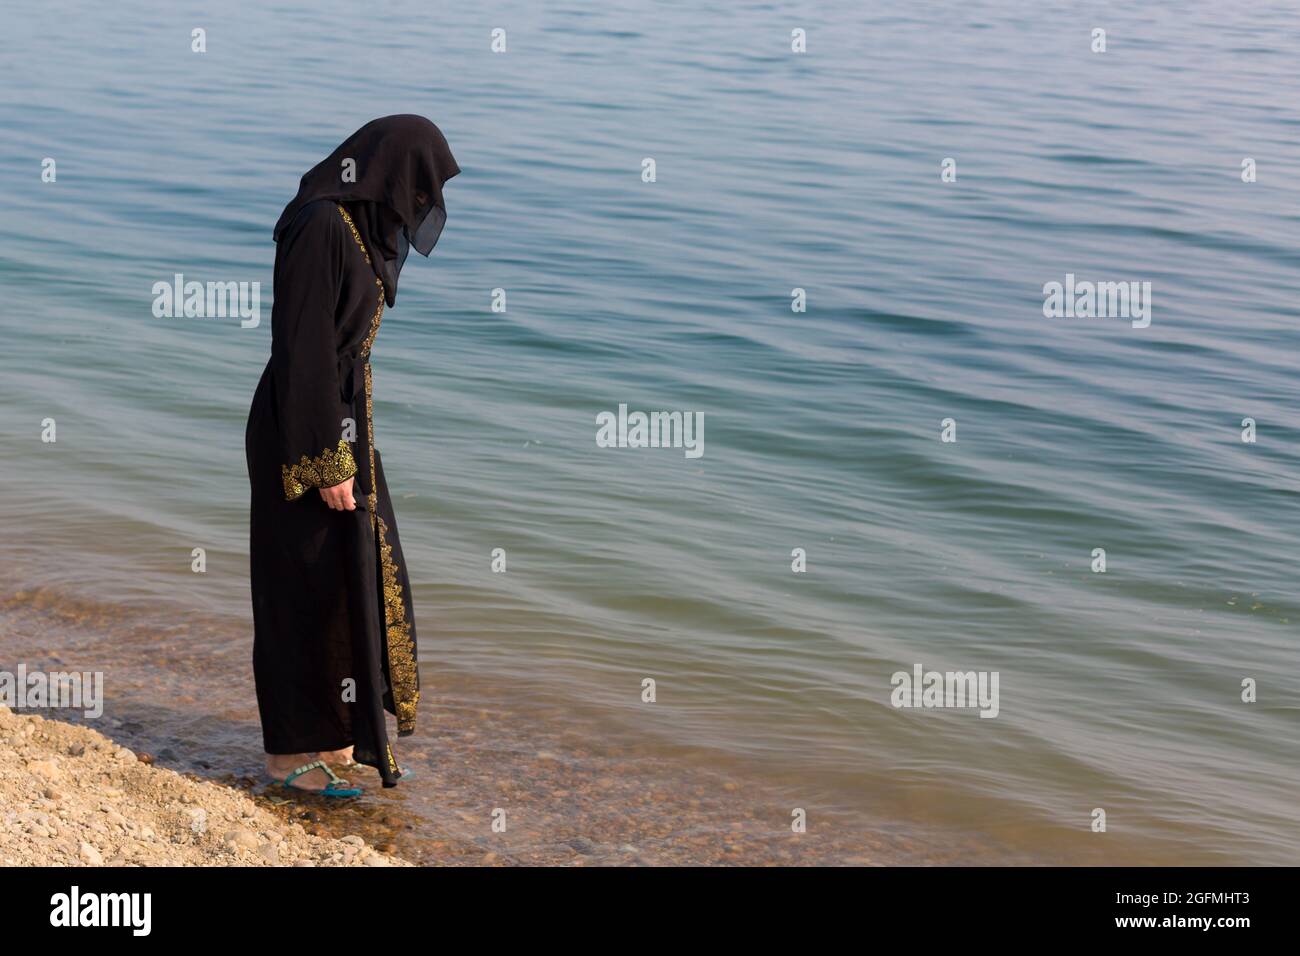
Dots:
pixel 337 787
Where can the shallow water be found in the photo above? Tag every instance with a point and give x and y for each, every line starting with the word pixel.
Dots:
pixel 774 171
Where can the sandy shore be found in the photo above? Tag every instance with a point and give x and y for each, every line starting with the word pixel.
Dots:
pixel 69 796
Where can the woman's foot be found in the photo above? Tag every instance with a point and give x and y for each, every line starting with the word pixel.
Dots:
pixel 279 766
pixel 339 758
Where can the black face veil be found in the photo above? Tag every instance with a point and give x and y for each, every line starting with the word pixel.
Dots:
pixel 389 176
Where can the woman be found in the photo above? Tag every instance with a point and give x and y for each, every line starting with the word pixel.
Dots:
pixel 334 631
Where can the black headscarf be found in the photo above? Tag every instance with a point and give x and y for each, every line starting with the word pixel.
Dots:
pixel 401 163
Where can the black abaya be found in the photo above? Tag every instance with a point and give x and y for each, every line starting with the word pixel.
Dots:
pixel 334 629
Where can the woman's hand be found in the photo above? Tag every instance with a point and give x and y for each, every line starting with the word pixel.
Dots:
pixel 339 497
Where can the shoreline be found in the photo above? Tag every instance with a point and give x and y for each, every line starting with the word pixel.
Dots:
pixel 73 797
pixel 575 793
pixel 578 785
